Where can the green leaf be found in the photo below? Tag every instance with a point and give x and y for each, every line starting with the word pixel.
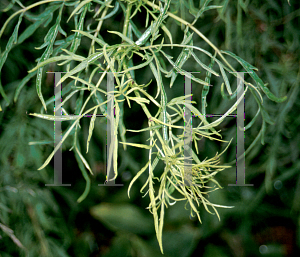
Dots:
pixel 182 72
pixel 140 65
pixel 9 6
pixel 57 59
pixel 83 3
pixel 98 40
pixel 112 13
pixel 225 78
pixel 77 37
pixel 138 145
pixel 264 113
pixel 205 89
pixel 84 174
pixel 30 30
pixel 127 39
pixel 183 57
pixel 264 88
pixel 12 40
pixel 63 44
pixel 249 125
pixel 40 19
pixel 203 65
pixel 225 96
pixel 91 128
pixel 79 102
pixel 249 68
pixel 136 177
pixel 92 58
pixel 61 31
pixel 49 40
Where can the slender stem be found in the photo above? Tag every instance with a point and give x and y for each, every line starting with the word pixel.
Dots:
pixel 126 22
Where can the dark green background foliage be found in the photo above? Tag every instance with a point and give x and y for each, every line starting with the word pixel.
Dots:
pixel 36 220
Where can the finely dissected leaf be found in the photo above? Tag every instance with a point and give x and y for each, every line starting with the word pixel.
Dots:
pixel 206 88
pixel 66 135
pixel 120 58
pixel 49 42
pixel 161 220
pixel 164 100
pixel 52 99
pixel 90 85
pixel 139 35
pixel 77 37
pixel 57 59
pixel 92 58
pixel 218 121
pixel 110 62
pixel 182 72
pixel 183 57
pixel 157 77
pixel 209 69
pixel 40 19
pixel 12 40
pixel 153 28
pixel 269 94
pixel 203 9
pixel 167 31
pixel 164 28
pixel 145 93
pixel 249 68
pixel 240 60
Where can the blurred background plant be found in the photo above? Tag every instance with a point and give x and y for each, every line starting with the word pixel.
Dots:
pixel 48 221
